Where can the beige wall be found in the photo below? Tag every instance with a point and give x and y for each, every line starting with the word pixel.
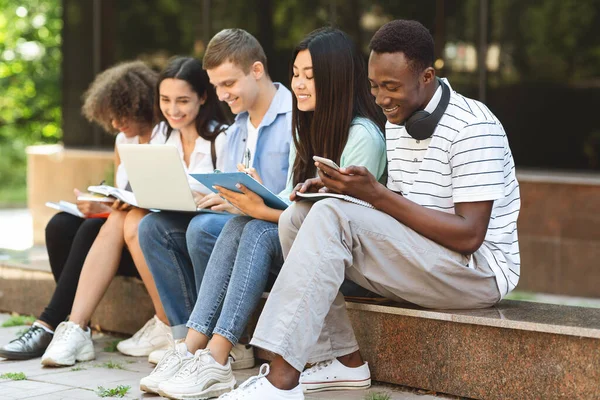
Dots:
pixel 52 174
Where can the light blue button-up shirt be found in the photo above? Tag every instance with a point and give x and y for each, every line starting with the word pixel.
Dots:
pixel 271 158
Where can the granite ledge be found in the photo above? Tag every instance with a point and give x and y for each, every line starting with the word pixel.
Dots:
pixel 558 177
pixel 509 314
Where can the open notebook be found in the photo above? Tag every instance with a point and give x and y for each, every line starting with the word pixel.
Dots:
pixel 321 196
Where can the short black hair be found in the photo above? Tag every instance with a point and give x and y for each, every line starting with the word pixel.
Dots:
pixel 408 37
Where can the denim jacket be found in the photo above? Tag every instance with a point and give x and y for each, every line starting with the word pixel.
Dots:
pixel 271 158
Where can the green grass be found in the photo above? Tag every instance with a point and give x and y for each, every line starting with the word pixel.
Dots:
pixel 377 396
pixel 78 369
pixel 119 391
pixel 13 196
pixel 111 365
pixel 111 347
pixel 15 376
pixel 517 295
pixel 18 320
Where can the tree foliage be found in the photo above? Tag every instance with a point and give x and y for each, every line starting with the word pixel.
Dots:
pixel 30 93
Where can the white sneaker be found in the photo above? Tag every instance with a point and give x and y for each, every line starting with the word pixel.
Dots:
pixel 166 368
pixel 242 356
pixel 152 336
pixel 259 388
pixel 333 375
pixel 199 378
pixel 69 344
pixel 157 355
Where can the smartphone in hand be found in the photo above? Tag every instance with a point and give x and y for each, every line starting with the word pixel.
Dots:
pixel 327 162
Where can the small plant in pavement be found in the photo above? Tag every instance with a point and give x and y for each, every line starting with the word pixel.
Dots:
pixel 111 365
pixel 377 396
pixel 18 320
pixel 15 376
pixel 111 347
pixel 119 391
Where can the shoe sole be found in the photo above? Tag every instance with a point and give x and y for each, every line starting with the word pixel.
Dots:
pixel 145 352
pixel 336 385
pixel 51 362
pixel 242 364
pixel 207 394
pixel 148 389
pixel 20 355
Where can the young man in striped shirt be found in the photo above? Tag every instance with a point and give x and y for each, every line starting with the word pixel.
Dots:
pixel 443 234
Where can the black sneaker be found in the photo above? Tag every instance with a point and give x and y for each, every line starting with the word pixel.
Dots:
pixel 31 344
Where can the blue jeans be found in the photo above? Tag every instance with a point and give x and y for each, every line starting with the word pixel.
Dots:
pixel 177 247
pixel 236 276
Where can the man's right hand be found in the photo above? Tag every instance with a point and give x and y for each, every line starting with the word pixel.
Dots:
pixel 312 185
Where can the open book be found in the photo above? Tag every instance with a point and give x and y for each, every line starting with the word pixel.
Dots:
pixel 321 196
pixel 66 207
pixel 120 194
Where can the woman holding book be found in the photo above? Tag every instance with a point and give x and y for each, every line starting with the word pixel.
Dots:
pixel 191 120
pixel 333 117
pixel 120 100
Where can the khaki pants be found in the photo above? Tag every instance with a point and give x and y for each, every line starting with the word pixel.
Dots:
pixel 305 318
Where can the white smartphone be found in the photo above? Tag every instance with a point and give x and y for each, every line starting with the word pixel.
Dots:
pixel 327 162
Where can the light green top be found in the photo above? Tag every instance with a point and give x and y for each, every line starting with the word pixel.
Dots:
pixel 365 147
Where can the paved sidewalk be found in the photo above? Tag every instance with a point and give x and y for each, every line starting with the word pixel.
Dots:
pixel 16 230
pixel 112 369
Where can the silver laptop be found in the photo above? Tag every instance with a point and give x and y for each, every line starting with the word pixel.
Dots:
pixel 157 177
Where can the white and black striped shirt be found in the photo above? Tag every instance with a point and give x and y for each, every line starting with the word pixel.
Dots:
pixel 467 159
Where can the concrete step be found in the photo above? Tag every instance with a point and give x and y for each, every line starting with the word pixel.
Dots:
pixel 27 288
pixel 517 349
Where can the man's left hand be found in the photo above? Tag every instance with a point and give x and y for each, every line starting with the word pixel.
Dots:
pixel 354 181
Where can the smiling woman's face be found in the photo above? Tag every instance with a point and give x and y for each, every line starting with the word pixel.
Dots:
pixel 178 102
pixel 303 81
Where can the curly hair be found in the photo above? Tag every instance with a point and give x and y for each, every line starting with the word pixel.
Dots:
pixel 122 92
pixel 408 37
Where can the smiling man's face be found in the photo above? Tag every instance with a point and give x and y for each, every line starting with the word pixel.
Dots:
pixel 397 88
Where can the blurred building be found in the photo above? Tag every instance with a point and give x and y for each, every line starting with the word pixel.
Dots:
pixel 535 63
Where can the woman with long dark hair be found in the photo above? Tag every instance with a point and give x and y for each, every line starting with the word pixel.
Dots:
pixel 333 117
pixel 192 121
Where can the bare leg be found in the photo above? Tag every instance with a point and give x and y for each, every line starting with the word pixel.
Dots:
pixel 132 222
pixel 99 268
pixel 195 340
pixel 351 360
pixel 282 375
pixel 219 348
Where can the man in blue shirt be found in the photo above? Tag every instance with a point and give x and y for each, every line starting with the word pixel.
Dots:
pixel 177 246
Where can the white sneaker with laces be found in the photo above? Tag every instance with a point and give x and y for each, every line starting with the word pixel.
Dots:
pixel 166 368
pixel 199 378
pixel 152 336
pixel 333 375
pixel 242 356
pixel 259 388
pixel 69 344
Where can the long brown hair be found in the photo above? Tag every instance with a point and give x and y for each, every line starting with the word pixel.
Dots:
pixel 342 93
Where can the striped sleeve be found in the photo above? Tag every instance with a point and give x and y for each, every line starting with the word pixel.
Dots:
pixel 477 157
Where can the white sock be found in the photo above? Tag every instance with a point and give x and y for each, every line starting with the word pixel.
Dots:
pixel 43 327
